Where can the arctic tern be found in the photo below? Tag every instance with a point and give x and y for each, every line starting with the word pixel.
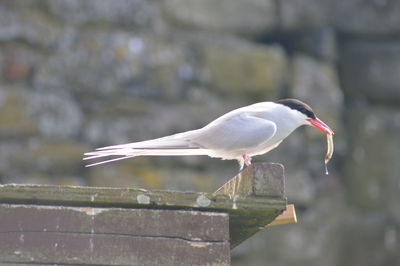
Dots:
pixel 239 134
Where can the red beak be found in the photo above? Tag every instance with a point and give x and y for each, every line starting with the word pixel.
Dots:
pixel 320 125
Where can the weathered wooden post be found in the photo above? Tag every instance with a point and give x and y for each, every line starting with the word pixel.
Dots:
pixel 126 226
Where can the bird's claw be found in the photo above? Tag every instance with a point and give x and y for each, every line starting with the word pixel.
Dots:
pixel 247 159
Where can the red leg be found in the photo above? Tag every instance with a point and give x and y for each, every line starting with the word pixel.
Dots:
pixel 247 159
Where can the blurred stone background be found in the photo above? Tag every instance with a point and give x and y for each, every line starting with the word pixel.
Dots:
pixel 75 75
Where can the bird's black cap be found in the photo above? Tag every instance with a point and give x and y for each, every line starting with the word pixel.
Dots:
pixel 299 106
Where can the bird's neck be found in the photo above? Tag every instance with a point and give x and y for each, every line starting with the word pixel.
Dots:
pixel 287 123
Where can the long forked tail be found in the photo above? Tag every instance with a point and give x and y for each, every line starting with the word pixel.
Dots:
pixel 106 161
pixel 124 153
pixel 168 146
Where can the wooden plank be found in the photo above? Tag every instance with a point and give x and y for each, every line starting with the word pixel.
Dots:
pixel 252 199
pixel 246 213
pixel 130 198
pixel 97 249
pixel 81 235
pixel 189 225
pixel 287 217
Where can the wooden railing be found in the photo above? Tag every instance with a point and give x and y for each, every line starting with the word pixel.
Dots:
pixel 128 226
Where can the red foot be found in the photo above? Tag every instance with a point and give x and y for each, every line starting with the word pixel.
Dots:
pixel 247 159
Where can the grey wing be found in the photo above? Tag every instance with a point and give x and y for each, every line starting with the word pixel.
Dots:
pixel 238 132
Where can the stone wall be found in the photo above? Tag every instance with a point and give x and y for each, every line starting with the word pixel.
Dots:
pixel 75 75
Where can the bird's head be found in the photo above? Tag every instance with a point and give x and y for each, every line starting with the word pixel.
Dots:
pixel 307 114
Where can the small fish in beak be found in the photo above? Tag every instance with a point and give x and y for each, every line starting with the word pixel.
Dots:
pixel 329 151
pixel 317 123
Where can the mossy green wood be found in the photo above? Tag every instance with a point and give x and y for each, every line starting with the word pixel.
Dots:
pixel 248 212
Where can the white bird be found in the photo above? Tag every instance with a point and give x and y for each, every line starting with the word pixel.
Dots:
pixel 239 134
